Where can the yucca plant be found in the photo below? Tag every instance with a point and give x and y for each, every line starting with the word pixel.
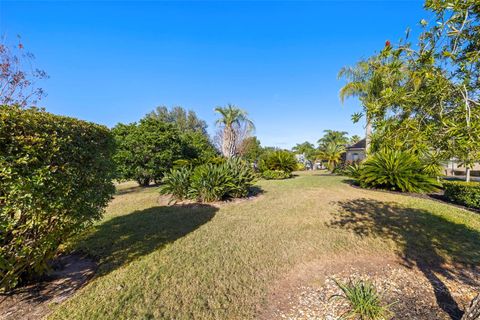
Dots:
pixel 364 301
pixel 177 183
pixel 396 170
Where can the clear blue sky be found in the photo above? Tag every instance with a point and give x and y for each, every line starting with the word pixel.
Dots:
pixel 113 62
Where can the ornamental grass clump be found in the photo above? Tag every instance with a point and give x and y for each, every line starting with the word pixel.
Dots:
pixel 364 301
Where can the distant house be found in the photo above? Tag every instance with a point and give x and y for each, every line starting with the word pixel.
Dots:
pixel 453 167
pixel 356 152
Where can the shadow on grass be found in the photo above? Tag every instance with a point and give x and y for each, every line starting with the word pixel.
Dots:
pixel 125 238
pixel 433 244
pixel 255 191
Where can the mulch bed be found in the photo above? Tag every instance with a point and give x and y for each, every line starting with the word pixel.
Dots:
pixel 407 291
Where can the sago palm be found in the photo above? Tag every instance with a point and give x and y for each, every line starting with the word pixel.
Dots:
pixel 232 120
pixel 332 153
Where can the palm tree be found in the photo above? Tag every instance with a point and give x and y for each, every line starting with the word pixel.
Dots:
pixel 332 136
pixel 332 153
pixel 365 83
pixel 232 121
pixel 354 139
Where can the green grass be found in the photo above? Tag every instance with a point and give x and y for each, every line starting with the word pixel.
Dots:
pixel 207 262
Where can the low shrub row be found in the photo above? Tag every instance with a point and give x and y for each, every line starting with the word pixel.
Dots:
pixel 464 193
pixel 209 182
pixel 55 179
pixel 275 175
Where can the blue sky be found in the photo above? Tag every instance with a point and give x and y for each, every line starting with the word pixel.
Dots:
pixel 113 62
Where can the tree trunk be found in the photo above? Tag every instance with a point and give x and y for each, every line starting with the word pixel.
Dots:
pixel 467 174
pixel 368 135
pixel 229 142
pixel 473 311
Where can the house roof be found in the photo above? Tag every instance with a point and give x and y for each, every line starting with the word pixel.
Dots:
pixel 359 145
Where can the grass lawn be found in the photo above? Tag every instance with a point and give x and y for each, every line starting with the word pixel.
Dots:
pixel 219 262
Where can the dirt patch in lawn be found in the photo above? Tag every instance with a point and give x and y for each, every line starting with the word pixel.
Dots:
pixel 34 301
pixel 305 293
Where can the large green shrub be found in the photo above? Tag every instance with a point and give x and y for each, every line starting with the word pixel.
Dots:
pixel 395 170
pixel 55 178
pixel 278 160
pixel 209 182
pixel 464 193
pixel 150 148
pixel 145 151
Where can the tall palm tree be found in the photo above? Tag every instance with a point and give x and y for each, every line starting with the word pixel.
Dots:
pixel 366 84
pixel 232 120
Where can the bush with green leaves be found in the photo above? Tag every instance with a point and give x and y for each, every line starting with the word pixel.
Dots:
pixel 55 179
pixel 279 160
pixel 241 175
pixel 177 182
pixel 353 170
pixel 210 182
pixel 396 170
pixel 275 175
pixel 464 193
pixel 364 301
pixel 148 149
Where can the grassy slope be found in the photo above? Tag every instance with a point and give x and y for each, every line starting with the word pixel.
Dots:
pixel 207 262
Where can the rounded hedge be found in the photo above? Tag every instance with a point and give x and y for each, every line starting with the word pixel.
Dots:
pixel 55 178
pixel 464 193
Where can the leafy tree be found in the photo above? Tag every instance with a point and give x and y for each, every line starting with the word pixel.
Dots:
pixel 192 130
pixel 306 148
pixel 250 149
pixel 197 147
pixel 183 119
pixel 18 77
pixel 332 136
pixel 234 123
pixel 145 151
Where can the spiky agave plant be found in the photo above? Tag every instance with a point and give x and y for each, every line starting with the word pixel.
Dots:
pixel 396 170
pixel 364 301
